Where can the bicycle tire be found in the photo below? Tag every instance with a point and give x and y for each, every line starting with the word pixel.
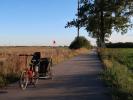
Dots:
pixel 50 70
pixel 35 79
pixel 24 80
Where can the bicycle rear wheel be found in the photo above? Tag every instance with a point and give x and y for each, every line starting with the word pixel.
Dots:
pixel 50 69
pixel 35 79
pixel 24 80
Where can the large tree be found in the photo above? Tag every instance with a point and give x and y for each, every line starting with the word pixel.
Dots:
pixel 101 17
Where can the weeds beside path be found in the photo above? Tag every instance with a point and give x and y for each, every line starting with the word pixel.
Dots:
pixel 118 73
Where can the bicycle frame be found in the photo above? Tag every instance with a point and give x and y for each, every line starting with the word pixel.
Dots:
pixel 28 75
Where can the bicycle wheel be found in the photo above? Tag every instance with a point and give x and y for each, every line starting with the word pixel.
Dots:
pixel 24 80
pixel 35 78
pixel 50 71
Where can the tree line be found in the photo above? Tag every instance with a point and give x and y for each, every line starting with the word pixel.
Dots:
pixel 119 45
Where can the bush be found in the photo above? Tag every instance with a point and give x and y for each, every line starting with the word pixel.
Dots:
pixel 80 42
pixel 7 79
pixel 2 81
pixel 11 78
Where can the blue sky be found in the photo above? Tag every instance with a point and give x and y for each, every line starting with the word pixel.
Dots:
pixel 38 22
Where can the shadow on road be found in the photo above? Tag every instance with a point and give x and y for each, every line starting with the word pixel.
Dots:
pixel 77 87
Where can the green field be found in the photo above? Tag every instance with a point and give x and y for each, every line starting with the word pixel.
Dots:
pixel 118 73
pixel 121 55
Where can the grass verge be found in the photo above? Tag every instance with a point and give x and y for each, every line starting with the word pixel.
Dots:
pixel 118 76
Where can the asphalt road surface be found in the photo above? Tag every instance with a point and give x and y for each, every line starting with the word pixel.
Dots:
pixel 76 79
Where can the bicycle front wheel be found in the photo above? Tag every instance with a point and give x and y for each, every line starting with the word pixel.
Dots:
pixel 24 80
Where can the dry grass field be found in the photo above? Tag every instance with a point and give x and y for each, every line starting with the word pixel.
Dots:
pixel 11 63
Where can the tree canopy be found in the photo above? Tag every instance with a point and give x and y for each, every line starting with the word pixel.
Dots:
pixel 101 17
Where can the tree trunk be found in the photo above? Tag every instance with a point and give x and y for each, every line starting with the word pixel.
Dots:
pixel 78 31
pixel 103 41
pixel 102 34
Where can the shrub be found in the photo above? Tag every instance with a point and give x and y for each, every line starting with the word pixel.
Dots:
pixel 2 81
pixel 80 42
pixel 12 77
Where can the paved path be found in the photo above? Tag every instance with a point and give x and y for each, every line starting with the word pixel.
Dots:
pixel 76 79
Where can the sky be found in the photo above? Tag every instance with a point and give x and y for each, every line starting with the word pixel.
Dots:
pixel 39 22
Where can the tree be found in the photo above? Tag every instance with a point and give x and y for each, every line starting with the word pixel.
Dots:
pixel 101 17
pixel 80 42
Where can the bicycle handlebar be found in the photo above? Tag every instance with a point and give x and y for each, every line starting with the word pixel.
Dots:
pixel 25 55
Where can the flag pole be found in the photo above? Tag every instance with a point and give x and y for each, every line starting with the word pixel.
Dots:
pixel 78 27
